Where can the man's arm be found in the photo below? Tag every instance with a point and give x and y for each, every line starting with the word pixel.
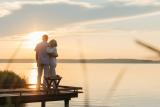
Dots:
pixel 36 56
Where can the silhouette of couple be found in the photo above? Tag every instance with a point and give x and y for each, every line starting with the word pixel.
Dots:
pixel 46 54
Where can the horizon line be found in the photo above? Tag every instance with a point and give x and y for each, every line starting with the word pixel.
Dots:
pixel 105 60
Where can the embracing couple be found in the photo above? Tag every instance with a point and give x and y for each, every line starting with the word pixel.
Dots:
pixel 46 54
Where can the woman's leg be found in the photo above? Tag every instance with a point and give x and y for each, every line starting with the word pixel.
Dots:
pixel 53 70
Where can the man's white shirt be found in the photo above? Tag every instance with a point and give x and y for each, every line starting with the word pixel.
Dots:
pixel 41 49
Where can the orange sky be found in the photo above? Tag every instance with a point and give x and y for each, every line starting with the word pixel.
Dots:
pixel 90 45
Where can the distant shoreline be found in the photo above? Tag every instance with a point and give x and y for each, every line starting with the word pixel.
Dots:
pixel 139 61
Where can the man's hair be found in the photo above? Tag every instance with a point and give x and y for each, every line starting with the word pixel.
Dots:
pixel 45 37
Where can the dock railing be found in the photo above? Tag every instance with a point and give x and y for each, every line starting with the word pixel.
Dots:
pixel 30 95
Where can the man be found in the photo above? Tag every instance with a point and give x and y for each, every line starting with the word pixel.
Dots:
pixel 42 59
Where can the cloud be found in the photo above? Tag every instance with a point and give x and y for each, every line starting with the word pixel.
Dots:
pixel 133 26
pixel 117 19
pixel 44 16
pixel 7 8
pixel 138 2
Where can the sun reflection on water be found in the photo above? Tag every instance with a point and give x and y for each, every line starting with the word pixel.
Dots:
pixel 33 74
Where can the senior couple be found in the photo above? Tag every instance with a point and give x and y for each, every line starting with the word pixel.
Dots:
pixel 46 54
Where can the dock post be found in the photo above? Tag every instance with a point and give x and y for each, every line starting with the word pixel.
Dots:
pixel 17 105
pixel 66 103
pixel 43 104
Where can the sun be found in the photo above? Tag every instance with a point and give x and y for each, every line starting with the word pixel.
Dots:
pixel 33 38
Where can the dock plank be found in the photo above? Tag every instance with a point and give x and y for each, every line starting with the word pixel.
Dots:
pixel 25 95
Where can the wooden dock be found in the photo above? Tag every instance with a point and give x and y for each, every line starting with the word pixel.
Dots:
pixel 26 95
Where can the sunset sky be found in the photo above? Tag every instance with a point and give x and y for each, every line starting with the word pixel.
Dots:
pixel 94 28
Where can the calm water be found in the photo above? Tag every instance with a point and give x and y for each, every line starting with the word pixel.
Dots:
pixel 113 85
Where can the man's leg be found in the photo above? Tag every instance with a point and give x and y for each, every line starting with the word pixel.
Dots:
pixel 46 73
pixel 40 69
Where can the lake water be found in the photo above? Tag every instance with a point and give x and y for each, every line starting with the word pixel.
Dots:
pixel 104 85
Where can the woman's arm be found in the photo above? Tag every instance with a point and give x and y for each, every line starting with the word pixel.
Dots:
pixel 52 51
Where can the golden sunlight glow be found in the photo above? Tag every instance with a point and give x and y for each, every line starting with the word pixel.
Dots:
pixel 33 38
pixel 33 75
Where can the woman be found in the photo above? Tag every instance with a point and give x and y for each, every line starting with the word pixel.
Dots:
pixel 52 51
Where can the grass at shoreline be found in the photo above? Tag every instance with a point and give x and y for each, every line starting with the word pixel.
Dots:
pixel 10 80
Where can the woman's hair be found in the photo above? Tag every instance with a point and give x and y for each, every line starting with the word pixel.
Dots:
pixel 53 43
